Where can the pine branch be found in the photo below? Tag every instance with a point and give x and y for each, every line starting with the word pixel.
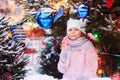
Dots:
pixel 9 50
pixel 4 21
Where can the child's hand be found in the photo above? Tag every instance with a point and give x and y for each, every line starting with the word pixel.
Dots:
pixel 65 42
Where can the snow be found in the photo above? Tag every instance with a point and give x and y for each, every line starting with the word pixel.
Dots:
pixel 32 73
pixel 37 76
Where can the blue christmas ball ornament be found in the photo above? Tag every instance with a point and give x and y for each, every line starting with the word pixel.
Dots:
pixel 82 11
pixel 44 19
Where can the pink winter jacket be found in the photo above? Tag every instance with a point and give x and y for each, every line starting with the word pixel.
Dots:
pixel 78 59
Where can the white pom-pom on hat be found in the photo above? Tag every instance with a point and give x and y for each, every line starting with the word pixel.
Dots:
pixel 79 24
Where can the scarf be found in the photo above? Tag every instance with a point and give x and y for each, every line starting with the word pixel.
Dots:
pixel 79 44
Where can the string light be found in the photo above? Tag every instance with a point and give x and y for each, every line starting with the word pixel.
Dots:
pixel 96 35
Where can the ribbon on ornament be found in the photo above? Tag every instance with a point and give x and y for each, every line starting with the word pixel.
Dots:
pixel 58 14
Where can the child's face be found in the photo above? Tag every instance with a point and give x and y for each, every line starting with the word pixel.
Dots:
pixel 74 33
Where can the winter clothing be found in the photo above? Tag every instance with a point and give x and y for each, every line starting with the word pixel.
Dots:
pixel 79 24
pixel 78 59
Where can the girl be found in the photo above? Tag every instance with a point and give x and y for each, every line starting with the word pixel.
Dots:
pixel 78 58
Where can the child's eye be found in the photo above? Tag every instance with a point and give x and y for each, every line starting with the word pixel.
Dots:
pixel 70 30
pixel 76 29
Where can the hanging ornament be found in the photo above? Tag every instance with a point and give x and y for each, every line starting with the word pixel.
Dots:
pixel 43 43
pixel 17 56
pixel 117 59
pixel 118 22
pixel 116 76
pixel 109 3
pixel 9 75
pixel 104 74
pixel 44 19
pixel 9 35
pixel 48 44
pixel 54 46
pixel 15 69
pixel 100 72
pixel 96 35
pixel 99 59
pixel 117 29
pixel 82 11
pixel 18 33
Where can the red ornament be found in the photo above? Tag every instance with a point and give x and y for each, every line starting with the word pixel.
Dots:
pixel 43 43
pixel 116 76
pixel 9 75
pixel 17 57
pixel 109 3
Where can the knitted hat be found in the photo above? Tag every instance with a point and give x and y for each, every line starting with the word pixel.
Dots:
pixel 79 24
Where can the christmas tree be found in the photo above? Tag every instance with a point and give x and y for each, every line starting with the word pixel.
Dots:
pixel 103 23
pixel 12 58
pixel 49 57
